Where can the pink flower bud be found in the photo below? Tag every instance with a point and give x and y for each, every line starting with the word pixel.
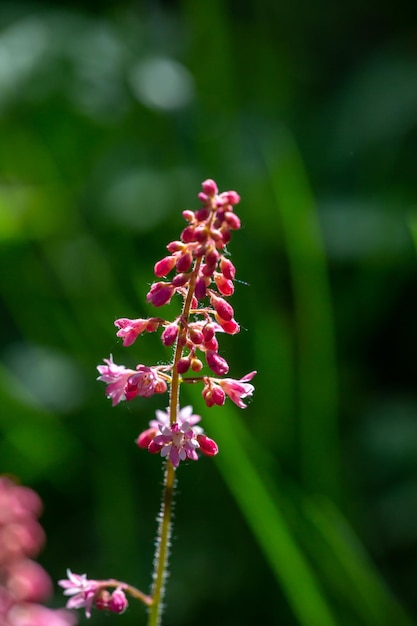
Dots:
pixel 164 266
pixel 209 187
pixel 180 280
pixel 155 447
pixel 217 363
pixel 195 335
pixel 200 288
pixel 160 293
pixel 183 365
pixel 203 214
pixel 187 235
pixel 188 215
pixel 175 246
pixel 224 285
pixel 232 220
pixel 196 365
pixel 208 331
pixel 227 268
pixel 231 197
pixel 170 334
pixel 201 234
pixel 212 345
pixel 184 262
pixel 231 327
pixel 222 308
pixel 212 256
pixel 146 437
pixel 118 601
pixel 207 445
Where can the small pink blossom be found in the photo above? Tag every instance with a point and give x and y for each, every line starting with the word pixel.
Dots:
pixel 131 329
pixel 176 443
pixel 82 591
pixel 179 441
pixel 145 382
pixel 238 389
pixel 117 376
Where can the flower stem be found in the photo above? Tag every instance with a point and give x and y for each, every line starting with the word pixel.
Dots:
pixel 164 529
pixel 162 548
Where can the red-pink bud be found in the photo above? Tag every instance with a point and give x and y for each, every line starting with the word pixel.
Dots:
pixel 200 288
pixel 175 246
pixel 180 280
pixel 146 437
pixel 212 256
pixel 231 197
pixel 160 293
pixel 218 395
pixel 184 262
pixel 164 266
pixel 202 214
pixel 118 602
pixel 183 365
pixel 222 308
pixel 196 365
pixel 224 285
pixel 169 334
pixel 208 331
pixel 207 445
pixel 227 268
pixel 187 235
pixel 212 345
pixel 217 363
pixel 201 233
pixel 209 187
pixel 232 220
pixel 231 327
pixel 196 336
pixel 154 448
pixel 188 215
pixel 207 395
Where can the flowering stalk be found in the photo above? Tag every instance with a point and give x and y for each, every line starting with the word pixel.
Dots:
pixel 204 279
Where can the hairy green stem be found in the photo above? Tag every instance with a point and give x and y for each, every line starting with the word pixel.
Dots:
pixel 165 517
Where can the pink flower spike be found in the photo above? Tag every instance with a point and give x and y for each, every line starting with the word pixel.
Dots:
pixel 238 389
pixel 117 376
pixel 131 329
pixel 81 589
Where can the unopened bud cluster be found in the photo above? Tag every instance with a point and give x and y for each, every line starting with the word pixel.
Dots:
pixel 203 276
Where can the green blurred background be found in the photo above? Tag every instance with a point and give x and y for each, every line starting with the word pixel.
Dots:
pixel 111 115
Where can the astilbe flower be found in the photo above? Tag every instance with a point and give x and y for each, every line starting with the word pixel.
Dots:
pixel 86 594
pixel 24 584
pixel 198 270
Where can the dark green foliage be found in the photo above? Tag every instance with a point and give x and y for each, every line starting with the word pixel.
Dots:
pixel 111 115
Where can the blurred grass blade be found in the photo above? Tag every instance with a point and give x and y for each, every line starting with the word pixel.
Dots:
pixel 265 518
pixel 348 569
pixel 317 380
